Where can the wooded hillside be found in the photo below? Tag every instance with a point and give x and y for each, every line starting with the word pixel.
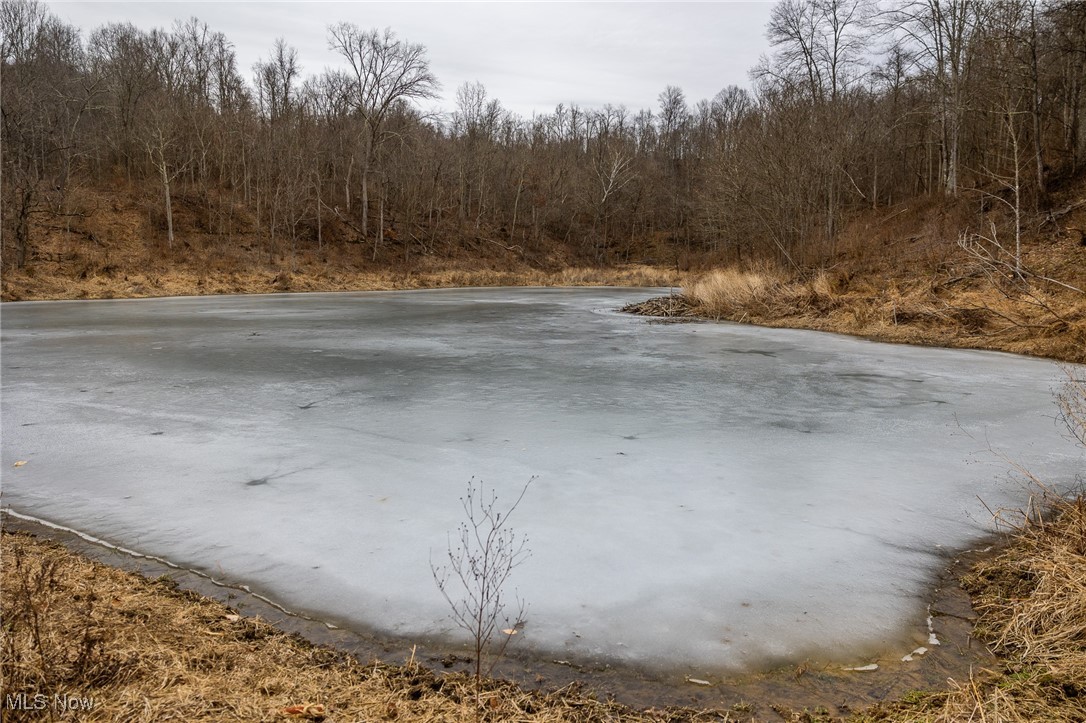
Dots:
pixel 935 139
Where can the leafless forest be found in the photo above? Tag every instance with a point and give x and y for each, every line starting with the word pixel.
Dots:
pixel 854 107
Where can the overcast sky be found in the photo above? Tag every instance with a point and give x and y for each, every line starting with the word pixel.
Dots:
pixel 531 56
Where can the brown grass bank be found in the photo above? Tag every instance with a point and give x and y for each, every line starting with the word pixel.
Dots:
pixel 119 647
pixel 1010 315
pixel 930 272
pixel 110 246
pixel 311 276
pixel 100 644
pixel 1032 603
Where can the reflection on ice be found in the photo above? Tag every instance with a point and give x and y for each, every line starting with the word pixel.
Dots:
pixel 707 494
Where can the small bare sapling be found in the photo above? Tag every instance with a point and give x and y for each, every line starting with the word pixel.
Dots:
pixel 473 581
pixel 1072 403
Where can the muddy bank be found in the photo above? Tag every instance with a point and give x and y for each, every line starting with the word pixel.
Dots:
pixel 807 685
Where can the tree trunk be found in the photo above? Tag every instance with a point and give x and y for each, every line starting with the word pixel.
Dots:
pixel 366 168
pixel 347 185
pixel 169 204
pixel 516 205
pixel 320 240
pixel 1038 147
pixel 22 229
pixel 365 199
pixel 380 238
pixel 952 153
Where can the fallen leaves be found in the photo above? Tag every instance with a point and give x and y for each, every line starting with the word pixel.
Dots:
pixel 306 711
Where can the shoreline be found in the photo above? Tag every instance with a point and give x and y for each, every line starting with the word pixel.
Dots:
pixel 187 283
pixel 858 316
pixel 805 684
pixel 678 310
pixel 628 694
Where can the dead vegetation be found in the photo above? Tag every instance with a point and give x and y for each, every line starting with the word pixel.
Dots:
pixel 1072 402
pixel 127 648
pixel 475 578
pixel 111 248
pixel 1031 600
pixel 901 277
pixel 142 650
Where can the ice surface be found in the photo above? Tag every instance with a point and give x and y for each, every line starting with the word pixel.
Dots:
pixel 710 495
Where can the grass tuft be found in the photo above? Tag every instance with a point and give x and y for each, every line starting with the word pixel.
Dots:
pixel 723 291
pixel 1031 601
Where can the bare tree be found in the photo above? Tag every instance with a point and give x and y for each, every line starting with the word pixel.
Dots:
pixel 162 139
pixel 45 92
pixel 276 79
pixel 475 126
pixel 384 70
pixel 121 54
pixel 612 167
pixel 819 44
pixel 938 32
pixel 1065 30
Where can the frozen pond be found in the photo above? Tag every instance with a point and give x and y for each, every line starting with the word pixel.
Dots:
pixel 709 496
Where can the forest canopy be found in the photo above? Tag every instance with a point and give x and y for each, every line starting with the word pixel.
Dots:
pixel 855 106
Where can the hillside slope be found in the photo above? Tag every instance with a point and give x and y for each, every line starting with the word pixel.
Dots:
pixel 926 271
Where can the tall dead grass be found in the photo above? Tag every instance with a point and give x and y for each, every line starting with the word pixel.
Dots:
pixel 54 640
pixel 1072 403
pixel 723 291
pixel 24 286
pixel 957 311
pixel 1031 605
pixel 762 291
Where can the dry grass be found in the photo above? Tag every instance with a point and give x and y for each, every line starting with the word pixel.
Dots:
pixel 19 286
pixel 1015 316
pixel 899 275
pixel 1031 605
pixel 144 651
pixel 1031 598
pixel 724 291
